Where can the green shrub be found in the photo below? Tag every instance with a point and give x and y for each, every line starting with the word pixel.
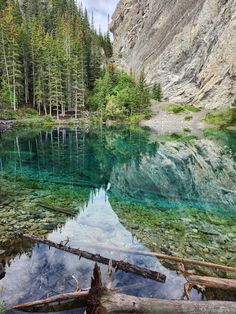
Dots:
pixel 135 119
pixel 8 114
pixel 118 96
pixel 173 108
pixel 114 109
pixel 188 118
pixel 157 92
pixel 223 118
pixel 213 118
pixel 180 108
pixel 191 108
pixel 30 112
pixel 71 121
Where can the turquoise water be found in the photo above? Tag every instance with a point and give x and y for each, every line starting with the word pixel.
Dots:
pixel 126 188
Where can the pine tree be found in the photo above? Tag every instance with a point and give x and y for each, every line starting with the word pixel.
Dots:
pixel 65 33
pixel 38 65
pixel 56 88
pixel 108 45
pixel 50 55
pixel 11 54
pixel 142 93
pixel 78 87
pixel 157 92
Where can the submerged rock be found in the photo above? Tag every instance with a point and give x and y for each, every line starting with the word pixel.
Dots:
pixel 178 202
pixel 25 214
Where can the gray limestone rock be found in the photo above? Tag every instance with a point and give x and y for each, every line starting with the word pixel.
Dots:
pixel 188 46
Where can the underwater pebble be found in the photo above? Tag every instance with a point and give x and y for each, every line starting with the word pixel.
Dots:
pixel 135 227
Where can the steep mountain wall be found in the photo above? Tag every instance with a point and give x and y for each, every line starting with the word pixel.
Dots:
pixel 189 46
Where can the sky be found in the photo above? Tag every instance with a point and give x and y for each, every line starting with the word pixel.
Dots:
pixel 100 9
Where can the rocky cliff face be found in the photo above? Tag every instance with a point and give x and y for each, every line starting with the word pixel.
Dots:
pixel 189 46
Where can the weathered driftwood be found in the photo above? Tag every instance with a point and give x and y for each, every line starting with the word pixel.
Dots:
pixel 56 209
pixel 120 303
pixel 82 295
pixel 101 300
pixel 203 282
pixel 118 265
pixel 167 257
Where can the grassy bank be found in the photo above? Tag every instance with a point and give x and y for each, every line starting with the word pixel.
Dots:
pixel 34 120
pixel 224 118
pixel 23 113
pixel 180 108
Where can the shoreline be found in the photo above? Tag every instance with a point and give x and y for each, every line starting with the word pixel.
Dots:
pixel 165 122
pixel 161 121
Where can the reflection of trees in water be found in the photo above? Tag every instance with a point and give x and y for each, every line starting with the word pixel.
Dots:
pixel 67 163
pixel 74 155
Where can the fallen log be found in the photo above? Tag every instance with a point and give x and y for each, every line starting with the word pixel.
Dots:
pixel 118 265
pixel 167 257
pixel 56 209
pixel 212 282
pixel 120 303
pixel 101 300
pixel 203 282
pixel 81 295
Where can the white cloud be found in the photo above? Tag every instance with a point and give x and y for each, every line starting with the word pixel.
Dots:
pixel 100 9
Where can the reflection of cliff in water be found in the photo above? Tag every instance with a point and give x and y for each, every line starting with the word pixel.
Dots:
pixel 196 174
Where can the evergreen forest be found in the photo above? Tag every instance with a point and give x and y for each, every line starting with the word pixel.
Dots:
pixel 54 61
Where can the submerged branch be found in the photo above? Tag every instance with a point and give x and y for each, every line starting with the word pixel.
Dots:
pixel 55 299
pixel 167 257
pixel 56 209
pixel 118 265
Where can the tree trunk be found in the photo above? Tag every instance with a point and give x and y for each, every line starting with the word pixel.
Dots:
pixel 204 282
pixel 164 256
pixel 100 300
pixel 121 303
pixel 118 265
pixel 103 301
pixel 26 81
pixel 14 79
pixel 5 62
pixel 33 76
pixel 82 295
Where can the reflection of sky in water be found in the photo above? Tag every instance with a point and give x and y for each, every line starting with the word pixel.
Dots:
pixel 49 271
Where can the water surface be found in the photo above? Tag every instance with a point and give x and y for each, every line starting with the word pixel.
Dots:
pixel 126 188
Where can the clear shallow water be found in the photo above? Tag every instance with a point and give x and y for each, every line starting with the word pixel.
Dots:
pixel 121 184
pixel 50 271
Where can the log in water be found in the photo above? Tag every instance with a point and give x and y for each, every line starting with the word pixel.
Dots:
pixel 118 265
